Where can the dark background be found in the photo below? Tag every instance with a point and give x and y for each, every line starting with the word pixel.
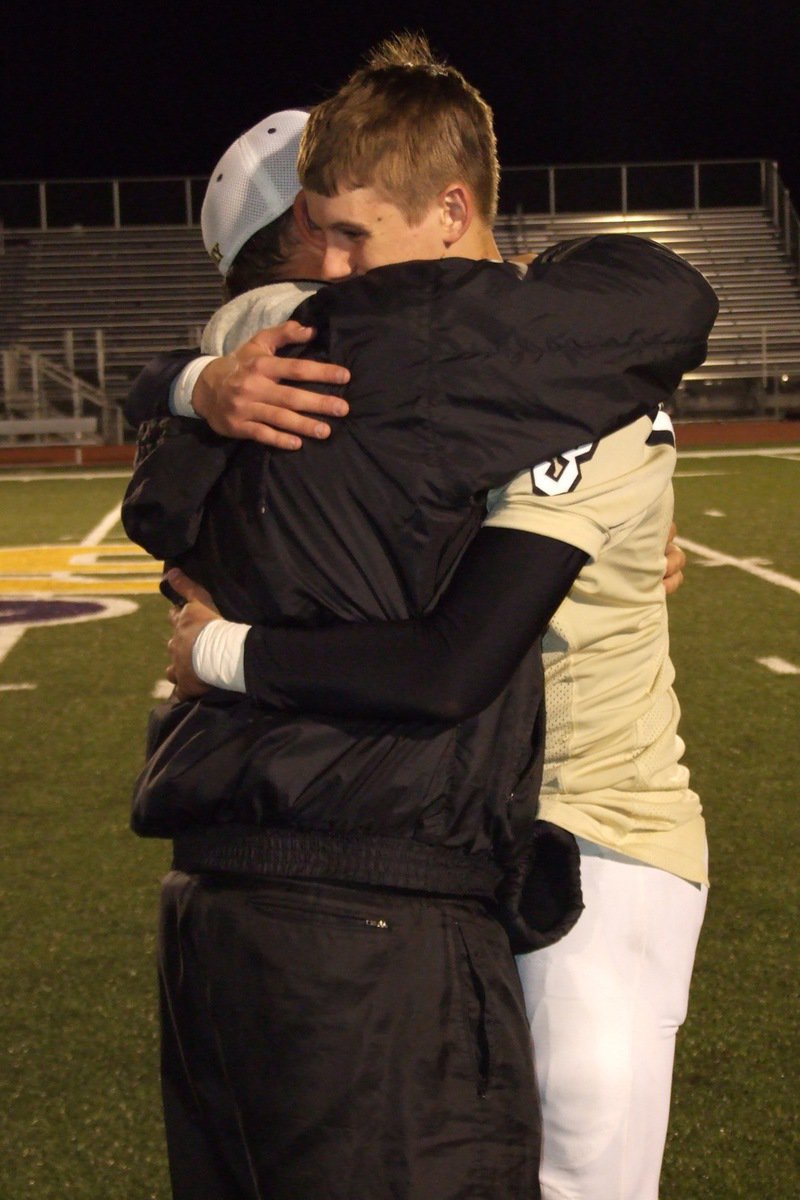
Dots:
pixel 98 90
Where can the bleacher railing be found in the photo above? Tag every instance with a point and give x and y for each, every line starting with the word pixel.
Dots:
pixel 34 388
pixel 63 204
pixel 624 188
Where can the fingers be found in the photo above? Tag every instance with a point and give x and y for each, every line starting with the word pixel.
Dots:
pixel 250 388
pixel 672 582
pixel 288 418
pixel 289 333
pixel 232 400
pixel 261 350
pixel 305 370
pixel 180 582
pixel 171 677
pixel 267 435
pixel 276 415
pixel 676 557
pixel 263 379
pixel 676 561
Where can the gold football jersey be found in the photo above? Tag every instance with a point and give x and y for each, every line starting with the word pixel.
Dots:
pixel 613 771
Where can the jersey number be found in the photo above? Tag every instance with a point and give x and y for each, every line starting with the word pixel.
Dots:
pixel 562 473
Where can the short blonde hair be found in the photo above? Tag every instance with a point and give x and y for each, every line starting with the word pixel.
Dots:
pixel 407 125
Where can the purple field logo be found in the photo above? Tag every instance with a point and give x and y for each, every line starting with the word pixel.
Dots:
pixel 25 611
pixel 19 613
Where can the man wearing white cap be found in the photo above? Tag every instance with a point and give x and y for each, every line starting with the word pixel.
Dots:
pixel 255 229
pixel 249 222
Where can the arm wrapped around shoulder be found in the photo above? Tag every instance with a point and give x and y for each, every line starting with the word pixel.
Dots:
pixel 541 899
pixel 616 292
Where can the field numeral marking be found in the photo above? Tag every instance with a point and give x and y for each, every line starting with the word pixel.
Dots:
pixel 779 665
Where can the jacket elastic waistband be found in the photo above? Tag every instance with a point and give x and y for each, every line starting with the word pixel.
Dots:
pixel 302 854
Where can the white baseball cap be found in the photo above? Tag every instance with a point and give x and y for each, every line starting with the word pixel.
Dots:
pixel 252 184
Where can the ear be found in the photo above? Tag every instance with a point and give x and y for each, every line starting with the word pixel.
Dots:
pixel 308 233
pixel 457 207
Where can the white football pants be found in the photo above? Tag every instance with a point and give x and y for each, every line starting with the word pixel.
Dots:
pixel 605 1004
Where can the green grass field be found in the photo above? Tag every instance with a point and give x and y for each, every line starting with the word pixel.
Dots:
pixel 79 1103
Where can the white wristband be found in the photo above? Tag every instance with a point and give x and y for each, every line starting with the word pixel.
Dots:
pixel 218 655
pixel 180 392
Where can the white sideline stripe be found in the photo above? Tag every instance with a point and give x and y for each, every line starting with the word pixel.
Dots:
pixel 779 665
pixel 18 687
pixel 96 535
pixel 718 559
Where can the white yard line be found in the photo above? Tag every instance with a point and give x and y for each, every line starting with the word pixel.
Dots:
pixel 9 636
pixel 779 665
pixel 749 565
pixel 698 474
pixel 96 535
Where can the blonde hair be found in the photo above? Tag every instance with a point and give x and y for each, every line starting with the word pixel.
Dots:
pixel 407 125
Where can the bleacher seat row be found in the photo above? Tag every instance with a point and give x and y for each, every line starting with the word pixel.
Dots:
pixel 152 289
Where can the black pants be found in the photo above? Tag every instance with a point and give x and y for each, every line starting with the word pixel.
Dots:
pixel 324 1042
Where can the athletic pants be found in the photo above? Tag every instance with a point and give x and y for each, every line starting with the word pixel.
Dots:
pixel 324 1042
pixel 605 1004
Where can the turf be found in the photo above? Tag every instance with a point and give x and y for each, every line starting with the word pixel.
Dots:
pixel 78 896
pixel 734 1128
pixel 48 507
pixel 79 1094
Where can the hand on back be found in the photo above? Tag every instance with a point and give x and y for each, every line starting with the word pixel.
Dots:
pixel 250 394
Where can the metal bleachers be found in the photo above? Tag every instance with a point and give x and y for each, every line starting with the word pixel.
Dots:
pixel 99 302
pixel 107 299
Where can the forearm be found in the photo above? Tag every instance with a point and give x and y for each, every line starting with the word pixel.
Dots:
pixel 445 666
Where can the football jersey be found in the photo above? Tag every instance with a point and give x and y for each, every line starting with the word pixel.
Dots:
pixel 613 771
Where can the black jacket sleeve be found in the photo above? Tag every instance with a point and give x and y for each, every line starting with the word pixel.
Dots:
pixel 512 372
pixel 149 394
pixel 444 666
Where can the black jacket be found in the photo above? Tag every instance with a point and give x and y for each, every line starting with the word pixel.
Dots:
pixel 463 374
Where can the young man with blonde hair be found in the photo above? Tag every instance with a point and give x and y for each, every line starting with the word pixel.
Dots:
pixel 376 528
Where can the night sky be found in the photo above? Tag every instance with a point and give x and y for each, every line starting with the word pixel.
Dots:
pixel 96 90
